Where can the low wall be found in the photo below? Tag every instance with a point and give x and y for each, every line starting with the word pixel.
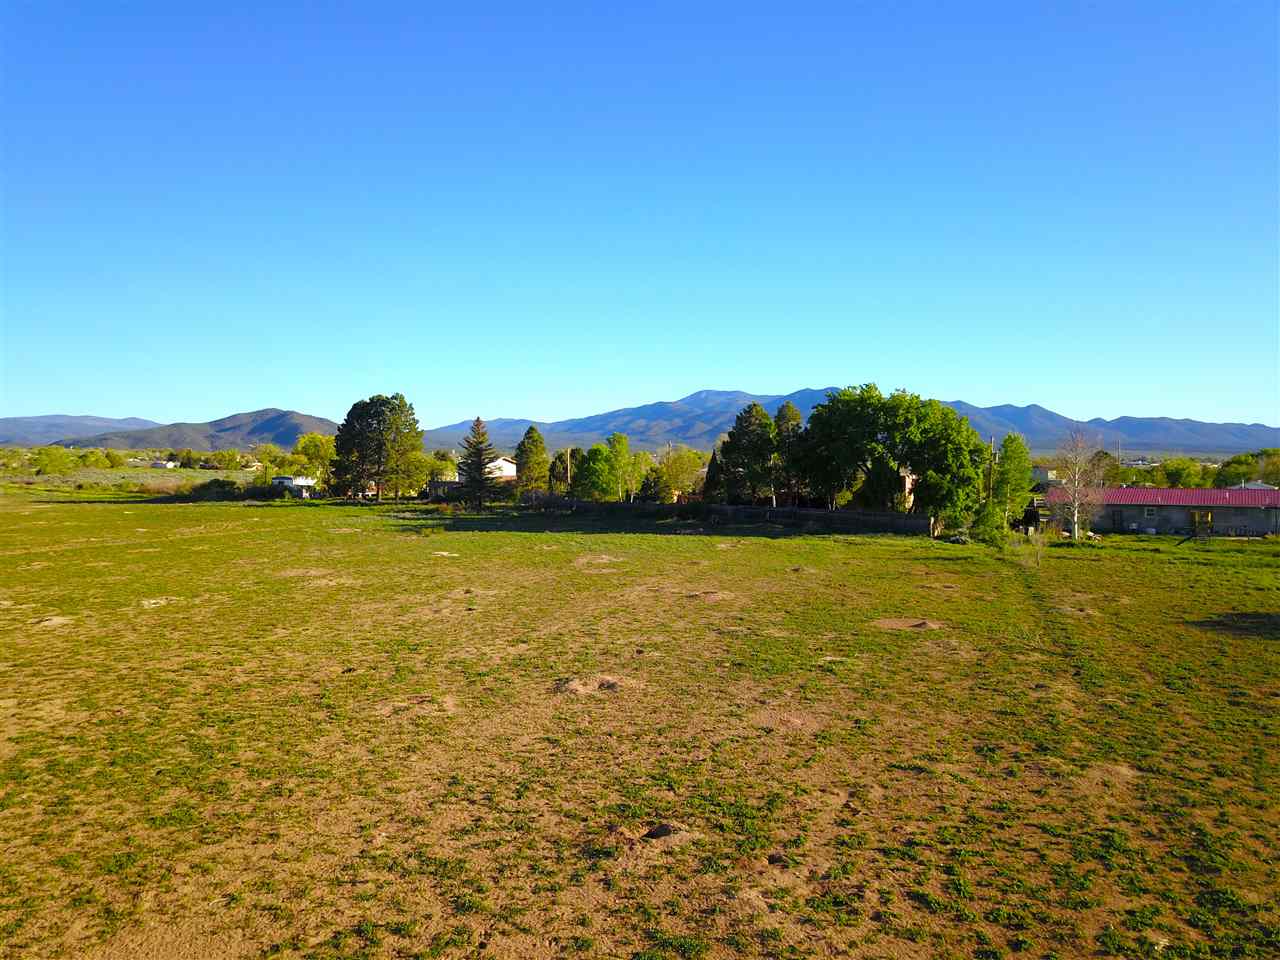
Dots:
pixel 834 521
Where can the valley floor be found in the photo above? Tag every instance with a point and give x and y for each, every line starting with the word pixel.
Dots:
pixel 307 730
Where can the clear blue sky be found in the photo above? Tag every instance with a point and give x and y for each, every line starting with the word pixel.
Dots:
pixel 210 208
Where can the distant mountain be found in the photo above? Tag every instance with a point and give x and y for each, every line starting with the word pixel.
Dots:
pixel 240 430
pixel 699 419
pixel 37 431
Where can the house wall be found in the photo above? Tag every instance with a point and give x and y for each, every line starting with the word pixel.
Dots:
pixel 1177 520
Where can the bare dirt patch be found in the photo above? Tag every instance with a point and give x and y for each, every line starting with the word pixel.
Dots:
pixel 907 623
pixel 152 602
pixel 586 686
pixel 55 621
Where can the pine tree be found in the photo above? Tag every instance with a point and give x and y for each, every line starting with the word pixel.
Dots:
pixel 713 483
pixel 478 455
pixel 532 465
pixel 788 427
pixel 361 447
pixel 748 453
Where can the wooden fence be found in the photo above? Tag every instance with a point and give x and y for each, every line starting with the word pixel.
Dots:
pixel 834 521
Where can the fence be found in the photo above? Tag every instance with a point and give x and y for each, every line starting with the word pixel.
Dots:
pixel 837 521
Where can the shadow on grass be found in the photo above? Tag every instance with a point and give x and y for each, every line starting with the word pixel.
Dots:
pixel 1264 625
pixel 584 522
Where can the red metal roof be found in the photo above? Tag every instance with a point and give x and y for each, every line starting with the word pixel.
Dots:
pixel 1171 497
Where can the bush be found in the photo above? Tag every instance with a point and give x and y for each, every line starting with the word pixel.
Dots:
pixel 217 489
pixel 989 527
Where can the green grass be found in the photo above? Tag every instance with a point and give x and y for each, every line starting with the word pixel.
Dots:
pixel 309 730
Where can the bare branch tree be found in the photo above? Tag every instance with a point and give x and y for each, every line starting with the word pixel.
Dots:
pixel 1080 474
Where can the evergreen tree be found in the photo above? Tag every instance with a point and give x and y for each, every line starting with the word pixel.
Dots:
pixel 564 466
pixel 360 447
pixel 478 455
pixel 532 465
pixel 713 484
pixel 656 487
pixel 748 453
pixel 788 428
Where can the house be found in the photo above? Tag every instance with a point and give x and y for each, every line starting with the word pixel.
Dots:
pixel 504 468
pixel 1230 512
pixel 164 464
pixel 304 487
pixel 1043 476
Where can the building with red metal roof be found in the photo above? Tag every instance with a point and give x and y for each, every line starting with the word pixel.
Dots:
pixel 1231 511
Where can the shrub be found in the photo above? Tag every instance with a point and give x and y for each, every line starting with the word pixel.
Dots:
pixel 216 489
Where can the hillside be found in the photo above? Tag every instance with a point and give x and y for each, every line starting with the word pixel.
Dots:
pixel 240 430
pixel 699 419
pixel 36 431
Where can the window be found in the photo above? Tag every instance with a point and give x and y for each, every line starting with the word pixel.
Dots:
pixel 1149 512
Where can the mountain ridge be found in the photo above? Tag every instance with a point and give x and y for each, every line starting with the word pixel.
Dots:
pixel 698 420
pixel 49 428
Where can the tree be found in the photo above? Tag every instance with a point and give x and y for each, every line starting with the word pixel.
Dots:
pixel 681 469
pixel 788 427
pixel 622 479
pixel 317 452
pixel 747 454
pixel 564 466
pixel 95 459
pixel 713 490
pixel 1079 475
pixel 266 454
pixel 594 478
pixel 188 458
pixel 532 463
pixel 115 459
pixel 478 483
pixel 656 487
pixel 52 461
pixel 1181 472
pixel 406 461
pixel 360 447
pixel 1011 485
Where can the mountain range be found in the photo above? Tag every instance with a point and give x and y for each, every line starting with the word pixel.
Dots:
pixel 35 431
pixel 697 420
pixel 239 431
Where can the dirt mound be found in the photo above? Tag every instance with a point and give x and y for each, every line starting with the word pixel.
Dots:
pixel 907 623
pixel 584 686
pixel 52 622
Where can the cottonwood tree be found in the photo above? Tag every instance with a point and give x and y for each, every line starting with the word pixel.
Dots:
pixel 747 455
pixel 532 463
pixel 594 479
pixel 406 460
pixel 478 483
pixel 1079 475
pixel 1011 482
pixel 317 451
pixel 681 469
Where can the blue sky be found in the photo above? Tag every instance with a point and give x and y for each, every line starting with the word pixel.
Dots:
pixel 210 208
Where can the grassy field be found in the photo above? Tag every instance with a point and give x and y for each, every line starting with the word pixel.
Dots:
pixel 293 730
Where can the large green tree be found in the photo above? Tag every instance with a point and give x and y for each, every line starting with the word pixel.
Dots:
pixel 479 485
pixel 318 452
pixel 621 467
pixel 360 447
pixel 593 479
pixel 532 463
pixel 788 427
pixel 747 455
pixel 406 461
pixel 1011 482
